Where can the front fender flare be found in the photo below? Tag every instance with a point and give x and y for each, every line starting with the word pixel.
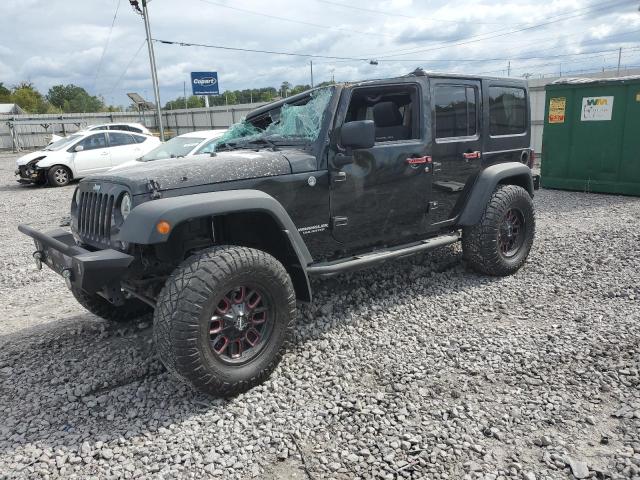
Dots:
pixel 140 226
pixel 510 173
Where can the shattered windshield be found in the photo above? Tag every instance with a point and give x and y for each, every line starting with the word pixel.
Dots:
pixel 289 124
pixel 176 147
pixel 63 142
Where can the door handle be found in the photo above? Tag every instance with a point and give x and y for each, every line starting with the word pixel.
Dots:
pixel 339 176
pixel 471 155
pixel 418 160
pixel 104 153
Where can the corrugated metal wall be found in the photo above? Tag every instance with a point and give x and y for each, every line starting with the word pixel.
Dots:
pixel 176 122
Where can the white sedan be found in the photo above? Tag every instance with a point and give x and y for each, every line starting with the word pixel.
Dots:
pixel 192 143
pixel 125 127
pixel 82 154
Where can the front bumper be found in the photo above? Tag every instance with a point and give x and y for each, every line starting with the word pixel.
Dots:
pixel 92 272
pixel 28 174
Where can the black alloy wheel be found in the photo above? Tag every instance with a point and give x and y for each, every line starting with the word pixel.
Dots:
pixel 241 325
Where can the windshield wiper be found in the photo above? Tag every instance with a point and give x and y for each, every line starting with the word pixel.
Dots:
pixel 264 141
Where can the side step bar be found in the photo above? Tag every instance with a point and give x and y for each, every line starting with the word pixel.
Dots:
pixel 369 259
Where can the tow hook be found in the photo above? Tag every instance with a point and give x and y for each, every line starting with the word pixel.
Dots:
pixel 38 257
pixel 67 274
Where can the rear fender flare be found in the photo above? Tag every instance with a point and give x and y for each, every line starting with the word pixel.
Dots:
pixel 508 173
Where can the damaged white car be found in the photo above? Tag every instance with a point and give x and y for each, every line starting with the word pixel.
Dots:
pixel 81 154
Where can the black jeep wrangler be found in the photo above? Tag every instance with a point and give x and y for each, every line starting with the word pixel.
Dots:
pixel 343 177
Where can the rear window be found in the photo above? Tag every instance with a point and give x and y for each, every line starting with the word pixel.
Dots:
pixel 508 110
pixel 456 112
pixel 117 139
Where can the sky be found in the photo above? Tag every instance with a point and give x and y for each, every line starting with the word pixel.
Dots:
pixel 72 41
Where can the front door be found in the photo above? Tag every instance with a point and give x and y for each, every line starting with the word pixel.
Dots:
pixel 94 157
pixel 381 196
pixel 457 151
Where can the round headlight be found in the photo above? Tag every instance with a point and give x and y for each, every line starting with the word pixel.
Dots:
pixel 125 206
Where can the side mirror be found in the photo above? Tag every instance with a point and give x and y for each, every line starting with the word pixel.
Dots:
pixel 79 148
pixel 358 134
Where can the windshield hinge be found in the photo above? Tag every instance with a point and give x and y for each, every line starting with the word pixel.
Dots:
pixel 154 189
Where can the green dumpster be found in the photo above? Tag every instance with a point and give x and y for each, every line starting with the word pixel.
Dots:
pixel 591 138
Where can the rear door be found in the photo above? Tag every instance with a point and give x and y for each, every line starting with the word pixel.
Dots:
pixel 123 147
pixel 457 146
pixel 94 157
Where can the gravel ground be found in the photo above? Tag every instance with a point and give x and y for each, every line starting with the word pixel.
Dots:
pixel 420 369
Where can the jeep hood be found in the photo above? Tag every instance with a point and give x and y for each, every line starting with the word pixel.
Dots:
pixel 172 173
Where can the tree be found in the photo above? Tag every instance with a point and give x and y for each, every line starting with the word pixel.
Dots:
pixel 284 88
pixel 71 98
pixel 299 89
pixel 5 94
pixel 29 99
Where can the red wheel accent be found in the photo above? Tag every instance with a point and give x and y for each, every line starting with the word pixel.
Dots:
pixel 252 337
pixel 223 306
pixel 253 299
pixel 220 348
pixel 239 295
pixel 217 325
pixel 235 348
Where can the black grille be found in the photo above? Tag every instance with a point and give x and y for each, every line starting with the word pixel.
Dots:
pixel 94 216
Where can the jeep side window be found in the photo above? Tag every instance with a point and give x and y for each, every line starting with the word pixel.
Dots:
pixel 456 112
pixel 392 108
pixel 507 111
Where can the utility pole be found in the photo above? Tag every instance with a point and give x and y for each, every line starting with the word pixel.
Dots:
pixel 619 60
pixel 509 69
pixel 152 61
pixel 311 65
pixel 184 93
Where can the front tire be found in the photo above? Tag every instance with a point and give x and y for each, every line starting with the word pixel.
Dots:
pixel 223 319
pixel 59 176
pixel 500 242
pixel 132 308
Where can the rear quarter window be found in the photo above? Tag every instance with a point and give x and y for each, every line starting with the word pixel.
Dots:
pixel 507 111
pixel 139 138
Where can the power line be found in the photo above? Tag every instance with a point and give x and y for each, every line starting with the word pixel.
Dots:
pixel 309 55
pixel 413 17
pixel 570 62
pixel 115 85
pixel 606 39
pixel 272 52
pixel 476 38
pixel 506 30
pixel 104 50
pixel 292 20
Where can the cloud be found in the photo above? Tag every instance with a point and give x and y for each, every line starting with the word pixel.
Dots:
pixel 62 42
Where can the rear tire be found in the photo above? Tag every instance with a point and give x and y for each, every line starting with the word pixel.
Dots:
pixel 500 242
pixel 132 308
pixel 223 319
pixel 59 176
